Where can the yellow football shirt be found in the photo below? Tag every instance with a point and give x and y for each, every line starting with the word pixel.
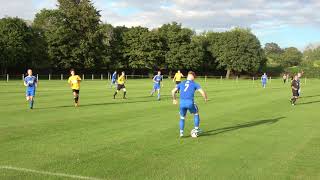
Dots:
pixel 121 79
pixel 74 81
pixel 178 76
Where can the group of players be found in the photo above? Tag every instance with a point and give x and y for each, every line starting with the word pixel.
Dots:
pixel 295 85
pixel 186 89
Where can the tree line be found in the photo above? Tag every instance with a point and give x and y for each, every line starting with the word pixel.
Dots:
pixel 73 36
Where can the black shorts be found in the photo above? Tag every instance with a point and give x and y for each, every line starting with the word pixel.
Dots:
pixel 120 86
pixel 295 93
pixel 76 91
pixel 178 82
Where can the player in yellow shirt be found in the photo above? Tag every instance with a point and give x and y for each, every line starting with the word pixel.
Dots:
pixel 177 78
pixel 120 85
pixel 74 81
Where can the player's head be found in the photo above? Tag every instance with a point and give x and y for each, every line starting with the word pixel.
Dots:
pixel 115 71
pixel 123 73
pixel 296 77
pixel 191 75
pixel 72 72
pixel 264 73
pixel 178 71
pixel 299 75
pixel 159 72
pixel 29 72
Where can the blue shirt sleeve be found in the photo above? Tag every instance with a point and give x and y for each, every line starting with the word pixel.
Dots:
pixel 197 86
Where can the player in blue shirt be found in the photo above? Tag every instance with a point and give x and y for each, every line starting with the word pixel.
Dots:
pixel 264 80
pixel 113 79
pixel 187 90
pixel 157 84
pixel 31 83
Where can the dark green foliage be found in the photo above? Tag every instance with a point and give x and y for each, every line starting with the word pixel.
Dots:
pixel 73 36
pixel 15 40
pixel 291 57
pixel 238 50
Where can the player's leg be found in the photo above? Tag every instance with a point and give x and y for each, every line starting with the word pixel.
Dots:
pixel 159 96
pixel 153 91
pixel 124 93
pixel 195 110
pixel 75 96
pixel 117 91
pixel 31 101
pixel 183 113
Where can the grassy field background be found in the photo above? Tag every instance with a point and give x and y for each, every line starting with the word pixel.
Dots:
pixel 250 133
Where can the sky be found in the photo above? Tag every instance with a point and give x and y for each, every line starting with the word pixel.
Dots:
pixel 286 22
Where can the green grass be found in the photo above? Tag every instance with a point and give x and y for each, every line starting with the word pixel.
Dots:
pixel 250 133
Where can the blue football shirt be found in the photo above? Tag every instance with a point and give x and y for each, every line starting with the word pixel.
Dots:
pixel 187 89
pixel 31 81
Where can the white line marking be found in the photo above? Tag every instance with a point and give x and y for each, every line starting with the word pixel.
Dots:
pixel 48 173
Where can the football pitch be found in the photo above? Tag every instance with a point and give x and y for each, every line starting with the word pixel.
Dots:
pixel 249 133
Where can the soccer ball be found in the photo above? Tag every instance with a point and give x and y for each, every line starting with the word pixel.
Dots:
pixel 194 133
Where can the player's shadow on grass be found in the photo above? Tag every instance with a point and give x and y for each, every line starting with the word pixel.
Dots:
pixel 311 102
pixel 310 96
pixel 120 101
pixel 241 126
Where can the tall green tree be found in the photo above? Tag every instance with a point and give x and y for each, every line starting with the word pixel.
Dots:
pixel 237 51
pixel 175 40
pixel 77 40
pixel 291 57
pixel 273 52
pixel 15 40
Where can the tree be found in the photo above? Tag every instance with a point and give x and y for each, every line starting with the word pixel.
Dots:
pixel 175 39
pixel 291 57
pixel 77 40
pixel 238 50
pixel 273 52
pixel 15 37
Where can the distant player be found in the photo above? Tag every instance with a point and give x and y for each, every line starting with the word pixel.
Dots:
pixel 31 82
pixel 295 90
pixel 114 79
pixel 284 77
pixel 188 89
pixel 157 84
pixel 120 85
pixel 177 78
pixel 299 81
pixel 264 80
pixel 74 81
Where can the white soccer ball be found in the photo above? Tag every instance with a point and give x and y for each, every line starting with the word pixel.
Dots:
pixel 194 133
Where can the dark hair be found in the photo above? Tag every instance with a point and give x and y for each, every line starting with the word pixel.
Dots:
pixel 72 70
pixel 193 73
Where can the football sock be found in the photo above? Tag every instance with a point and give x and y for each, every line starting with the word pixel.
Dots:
pixel 124 94
pixel 159 95
pixel 196 121
pixel 31 103
pixel 294 100
pixel 115 93
pixel 181 125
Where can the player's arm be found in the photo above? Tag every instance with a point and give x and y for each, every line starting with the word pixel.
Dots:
pixel 174 78
pixel 204 94
pixel 174 96
pixel 36 83
pixel 25 83
pixel 69 82
pixel 154 79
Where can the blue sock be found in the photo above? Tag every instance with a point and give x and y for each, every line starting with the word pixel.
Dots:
pixel 181 125
pixel 196 121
